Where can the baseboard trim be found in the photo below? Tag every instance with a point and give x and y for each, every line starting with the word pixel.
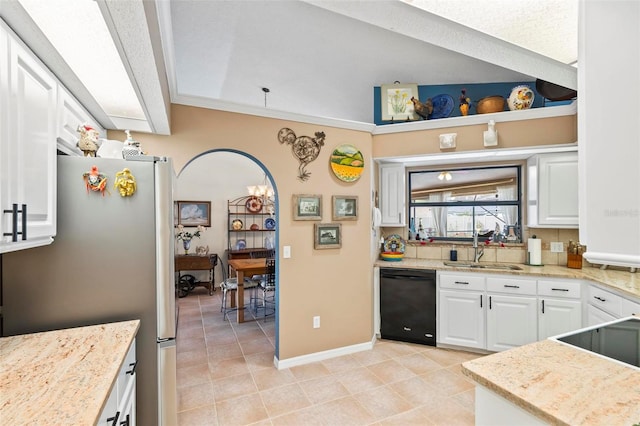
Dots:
pixel 321 356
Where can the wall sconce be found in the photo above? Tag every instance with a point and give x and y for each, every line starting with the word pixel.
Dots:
pixel 448 140
pixel 491 135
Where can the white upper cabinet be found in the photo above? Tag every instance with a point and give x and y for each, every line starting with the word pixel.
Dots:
pixel 392 195
pixel 608 130
pixel 71 115
pixel 28 148
pixel 552 194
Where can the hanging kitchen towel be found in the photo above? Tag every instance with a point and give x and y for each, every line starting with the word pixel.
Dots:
pixel 534 249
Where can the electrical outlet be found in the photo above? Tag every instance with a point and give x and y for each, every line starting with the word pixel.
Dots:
pixel 316 322
pixel 557 247
pixel 286 252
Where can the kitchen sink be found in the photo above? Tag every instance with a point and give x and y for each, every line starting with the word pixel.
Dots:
pixel 474 265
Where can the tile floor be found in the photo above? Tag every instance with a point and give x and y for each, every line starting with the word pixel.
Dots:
pixel 226 377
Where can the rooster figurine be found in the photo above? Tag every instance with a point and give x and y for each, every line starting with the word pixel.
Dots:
pixel 88 142
pixel 424 110
pixel 305 148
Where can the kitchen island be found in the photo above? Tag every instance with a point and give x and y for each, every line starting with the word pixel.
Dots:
pixel 61 376
pixel 558 385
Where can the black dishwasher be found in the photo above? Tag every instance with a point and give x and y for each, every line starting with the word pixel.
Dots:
pixel 408 305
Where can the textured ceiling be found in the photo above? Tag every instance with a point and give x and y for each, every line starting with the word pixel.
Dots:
pixel 319 58
pixel 323 58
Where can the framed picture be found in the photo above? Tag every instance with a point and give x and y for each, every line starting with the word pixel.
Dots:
pixel 344 207
pixel 327 235
pixel 395 100
pixel 307 207
pixel 194 213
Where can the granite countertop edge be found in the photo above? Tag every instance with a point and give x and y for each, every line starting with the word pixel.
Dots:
pixel 547 379
pixel 625 282
pixel 62 376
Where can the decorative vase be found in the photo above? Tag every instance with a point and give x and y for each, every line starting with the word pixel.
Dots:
pixel 186 244
pixel 464 109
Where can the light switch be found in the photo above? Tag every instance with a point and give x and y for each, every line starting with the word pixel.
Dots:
pixel 556 247
pixel 286 252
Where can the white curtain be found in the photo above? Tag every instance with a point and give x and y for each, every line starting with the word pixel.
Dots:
pixel 440 213
pixel 507 193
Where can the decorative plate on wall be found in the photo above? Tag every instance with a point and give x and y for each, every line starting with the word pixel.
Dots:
pixel 237 224
pixel 347 163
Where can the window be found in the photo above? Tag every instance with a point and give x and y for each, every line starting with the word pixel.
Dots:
pixel 450 204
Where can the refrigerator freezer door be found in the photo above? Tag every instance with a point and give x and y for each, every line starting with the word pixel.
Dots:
pixel 165 276
pixel 167 386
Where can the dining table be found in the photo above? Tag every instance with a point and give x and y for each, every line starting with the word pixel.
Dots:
pixel 246 268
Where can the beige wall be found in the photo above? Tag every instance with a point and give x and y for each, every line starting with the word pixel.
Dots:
pixel 511 134
pixel 334 284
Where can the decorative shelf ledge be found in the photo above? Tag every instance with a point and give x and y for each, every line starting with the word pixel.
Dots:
pixel 472 120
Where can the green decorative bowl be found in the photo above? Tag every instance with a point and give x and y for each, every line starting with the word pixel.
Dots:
pixel 391 256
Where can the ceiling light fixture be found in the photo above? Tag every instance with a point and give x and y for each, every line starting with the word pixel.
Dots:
pixel 445 176
pixel 264 192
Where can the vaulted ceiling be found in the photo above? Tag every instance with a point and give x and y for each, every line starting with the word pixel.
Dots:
pixel 319 58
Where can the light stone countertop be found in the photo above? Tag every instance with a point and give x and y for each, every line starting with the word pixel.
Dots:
pixel 61 376
pixel 624 282
pixel 561 385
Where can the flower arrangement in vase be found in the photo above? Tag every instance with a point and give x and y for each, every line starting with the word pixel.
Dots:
pixel 186 236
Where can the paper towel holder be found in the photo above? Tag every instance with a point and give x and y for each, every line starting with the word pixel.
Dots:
pixel 528 261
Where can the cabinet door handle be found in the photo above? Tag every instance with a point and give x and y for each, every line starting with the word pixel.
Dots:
pixel 599 298
pixel 543 306
pixel 461 282
pixel 429 335
pixel 489 302
pixel 114 419
pixel 480 301
pixel 125 422
pixel 14 222
pixel 406 328
pixel 133 369
pixel 559 289
pixel 511 286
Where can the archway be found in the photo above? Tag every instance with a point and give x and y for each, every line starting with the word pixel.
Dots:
pixel 220 175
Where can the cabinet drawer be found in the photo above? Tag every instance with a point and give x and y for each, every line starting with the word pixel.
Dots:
pixel 563 289
pixel 511 286
pixel 127 371
pixel 462 282
pixel 608 302
pixel 630 308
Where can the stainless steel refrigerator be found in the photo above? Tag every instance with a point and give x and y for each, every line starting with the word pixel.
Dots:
pixel 111 260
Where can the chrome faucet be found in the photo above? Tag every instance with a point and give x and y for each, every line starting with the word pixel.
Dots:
pixel 477 253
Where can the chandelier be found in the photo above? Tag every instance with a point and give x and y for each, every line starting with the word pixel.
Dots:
pixel 264 192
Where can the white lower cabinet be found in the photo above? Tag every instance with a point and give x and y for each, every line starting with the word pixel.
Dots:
pixel 511 321
pixel 597 316
pixel 630 308
pixel 462 320
pixel 558 316
pixel 120 408
pixel 560 307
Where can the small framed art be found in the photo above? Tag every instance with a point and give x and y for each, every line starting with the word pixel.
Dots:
pixel 327 235
pixel 395 100
pixel 307 207
pixel 194 213
pixel 345 207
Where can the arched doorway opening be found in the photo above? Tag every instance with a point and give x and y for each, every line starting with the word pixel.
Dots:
pixel 218 176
